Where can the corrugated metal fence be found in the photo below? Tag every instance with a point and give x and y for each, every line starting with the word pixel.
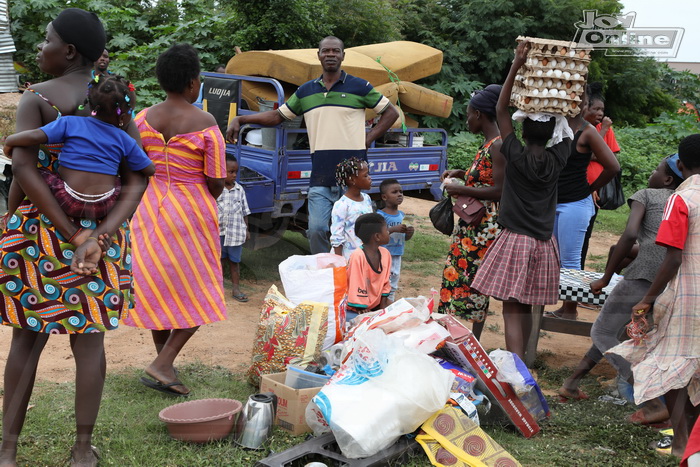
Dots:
pixel 8 77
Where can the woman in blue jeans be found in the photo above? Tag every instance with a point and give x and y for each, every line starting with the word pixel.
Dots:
pixel 575 205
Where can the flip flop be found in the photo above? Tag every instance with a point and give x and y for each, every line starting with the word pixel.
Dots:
pixel 163 387
pixel 553 314
pixel 662 444
pixel 241 297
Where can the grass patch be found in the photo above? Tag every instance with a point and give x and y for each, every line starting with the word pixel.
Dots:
pixel 612 221
pixel 129 433
pixel 597 262
pixel 7 123
pixel 425 253
pixel 262 265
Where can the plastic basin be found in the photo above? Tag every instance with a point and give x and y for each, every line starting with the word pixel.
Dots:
pixel 202 420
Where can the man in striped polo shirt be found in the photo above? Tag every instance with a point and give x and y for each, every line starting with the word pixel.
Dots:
pixel 333 106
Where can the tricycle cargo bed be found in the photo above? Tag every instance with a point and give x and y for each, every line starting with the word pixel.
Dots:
pixel 275 167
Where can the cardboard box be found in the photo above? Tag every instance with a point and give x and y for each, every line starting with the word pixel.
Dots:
pixel 471 355
pixel 291 403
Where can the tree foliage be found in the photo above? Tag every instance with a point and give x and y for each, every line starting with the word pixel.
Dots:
pixel 476 36
pixel 139 30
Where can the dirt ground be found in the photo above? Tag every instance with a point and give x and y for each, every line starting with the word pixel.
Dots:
pixel 228 343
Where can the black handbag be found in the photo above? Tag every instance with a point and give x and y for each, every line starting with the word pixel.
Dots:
pixel 442 216
pixel 611 195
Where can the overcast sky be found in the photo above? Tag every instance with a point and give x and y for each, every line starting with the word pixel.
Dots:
pixel 671 13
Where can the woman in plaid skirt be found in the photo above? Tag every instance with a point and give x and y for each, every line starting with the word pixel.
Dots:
pixel 521 267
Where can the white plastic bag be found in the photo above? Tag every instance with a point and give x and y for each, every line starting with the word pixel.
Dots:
pixel 319 278
pixel 407 318
pixel 425 337
pixel 508 372
pixel 512 370
pixel 382 391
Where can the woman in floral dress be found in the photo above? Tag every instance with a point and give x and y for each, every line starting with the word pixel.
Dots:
pixel 484 181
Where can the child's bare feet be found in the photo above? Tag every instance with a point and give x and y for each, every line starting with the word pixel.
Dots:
pixel 572 394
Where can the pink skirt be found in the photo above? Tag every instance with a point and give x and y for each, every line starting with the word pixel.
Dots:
pixel 521 268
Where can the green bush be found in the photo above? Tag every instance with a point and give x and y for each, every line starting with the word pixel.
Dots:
pixel 641 149
pixel 461 149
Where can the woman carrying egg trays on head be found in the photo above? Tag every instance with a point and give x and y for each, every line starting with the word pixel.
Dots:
pixel 553 77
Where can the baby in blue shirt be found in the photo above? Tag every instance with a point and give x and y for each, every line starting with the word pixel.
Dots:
pixel 94 148
pixel 392 195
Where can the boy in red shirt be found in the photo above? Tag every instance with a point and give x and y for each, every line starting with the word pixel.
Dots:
pixel 369 266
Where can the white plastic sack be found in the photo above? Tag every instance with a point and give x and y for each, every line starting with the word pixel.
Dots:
pixel 508 372
pixel 399 315
pixel 512 370
pixel 425 337
pixel 319 278
pixel 407 318
pixel 383 390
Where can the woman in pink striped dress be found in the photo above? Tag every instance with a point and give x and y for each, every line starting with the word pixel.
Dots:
pixel 178 281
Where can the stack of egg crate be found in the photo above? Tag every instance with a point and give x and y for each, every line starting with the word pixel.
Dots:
pixel 553 79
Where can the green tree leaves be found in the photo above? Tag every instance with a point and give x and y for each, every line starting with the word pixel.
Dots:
pixel 477 38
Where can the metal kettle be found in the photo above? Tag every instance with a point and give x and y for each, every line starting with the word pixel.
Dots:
pixel 254 424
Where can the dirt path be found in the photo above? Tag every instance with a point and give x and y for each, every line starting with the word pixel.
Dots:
pixel 228 343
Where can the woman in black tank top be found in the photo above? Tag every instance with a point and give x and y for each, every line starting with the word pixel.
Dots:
pixel 575 205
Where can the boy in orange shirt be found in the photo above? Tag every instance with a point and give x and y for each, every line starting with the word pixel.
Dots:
pixel 369 266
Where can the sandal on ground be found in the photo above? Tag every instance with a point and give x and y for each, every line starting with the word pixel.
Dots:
pixel 557 315
pixel 85 463
pixel 664 443
pixel 565 395
pixel 166 388
pixel 241 297
pixel 663 446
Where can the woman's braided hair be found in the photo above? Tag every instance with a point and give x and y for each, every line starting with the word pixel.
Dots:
pixel 348 168
pixel 111 94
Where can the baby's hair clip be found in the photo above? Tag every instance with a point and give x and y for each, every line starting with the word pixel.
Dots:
pixel 81 107
pixel 131 87
pixel 119 110
pixel 126 98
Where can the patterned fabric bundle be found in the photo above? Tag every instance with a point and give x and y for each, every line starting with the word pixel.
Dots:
pixel 286 334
